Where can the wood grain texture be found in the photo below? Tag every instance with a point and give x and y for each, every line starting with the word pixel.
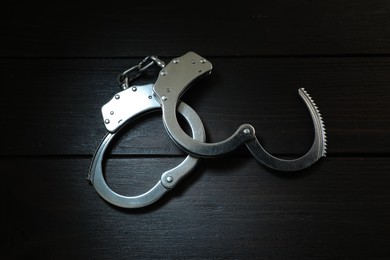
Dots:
pixel 58 66
pixel 131 29
pixel 225 209
pixel 58 103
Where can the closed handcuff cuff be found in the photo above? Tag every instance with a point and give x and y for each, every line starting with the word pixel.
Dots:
pixel 173 79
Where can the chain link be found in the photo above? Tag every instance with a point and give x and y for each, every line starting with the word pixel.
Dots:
pixel 129 75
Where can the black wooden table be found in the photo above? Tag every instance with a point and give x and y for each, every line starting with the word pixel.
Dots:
pixel 59 64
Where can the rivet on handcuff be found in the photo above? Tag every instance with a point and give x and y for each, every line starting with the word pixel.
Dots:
pixel 173 79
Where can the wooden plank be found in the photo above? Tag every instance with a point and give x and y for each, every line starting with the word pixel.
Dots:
pixel 52 106
pixel 265 28
pixel 232 208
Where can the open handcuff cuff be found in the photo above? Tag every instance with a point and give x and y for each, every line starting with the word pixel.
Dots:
pixel 173 79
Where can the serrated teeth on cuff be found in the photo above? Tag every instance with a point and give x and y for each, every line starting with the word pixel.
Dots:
pixel 320 119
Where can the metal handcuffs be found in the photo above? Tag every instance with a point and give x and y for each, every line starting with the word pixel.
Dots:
pixel 173 79
pixel 124 107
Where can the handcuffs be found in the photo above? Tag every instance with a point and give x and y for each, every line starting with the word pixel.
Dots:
pixel 173 79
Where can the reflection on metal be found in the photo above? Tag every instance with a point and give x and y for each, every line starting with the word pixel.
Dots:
pixel 173 79
pixel 180 73
pixel 119 111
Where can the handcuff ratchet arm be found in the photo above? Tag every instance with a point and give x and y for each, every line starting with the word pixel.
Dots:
pixel 180 73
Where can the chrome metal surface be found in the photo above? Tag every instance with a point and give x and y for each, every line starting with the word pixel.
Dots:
pixel 175 77
pixel 127 104
pixel 129 75
pixel 169 178
pixel 180 73
pixel 317 150
pixel 172 81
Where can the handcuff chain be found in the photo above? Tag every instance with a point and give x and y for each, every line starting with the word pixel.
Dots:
pixel 125 78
